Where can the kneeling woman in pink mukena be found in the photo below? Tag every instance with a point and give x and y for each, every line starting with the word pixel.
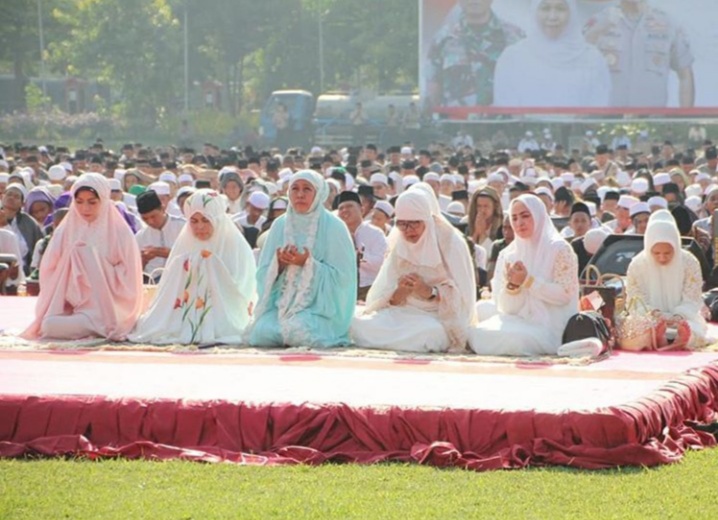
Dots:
pixel 91 272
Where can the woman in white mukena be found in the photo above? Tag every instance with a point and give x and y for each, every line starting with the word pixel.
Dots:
pixel 668 280
pixel 534 289
pixel 208 288
pixel 553 66
pixel 423 297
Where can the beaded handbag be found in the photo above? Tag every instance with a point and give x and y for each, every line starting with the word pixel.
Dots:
pixel 636 326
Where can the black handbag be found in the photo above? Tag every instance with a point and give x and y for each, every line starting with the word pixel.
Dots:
pixel 588 324
pixel 710 299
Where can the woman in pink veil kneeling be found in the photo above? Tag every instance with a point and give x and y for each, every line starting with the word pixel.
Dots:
pixel 91 272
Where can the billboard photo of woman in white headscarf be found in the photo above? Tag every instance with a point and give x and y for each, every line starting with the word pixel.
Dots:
pixel 553 66
pixel 651 57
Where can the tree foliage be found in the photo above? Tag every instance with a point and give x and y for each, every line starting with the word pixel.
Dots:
pixel 20 40
pixel 251 46
pixel 133 45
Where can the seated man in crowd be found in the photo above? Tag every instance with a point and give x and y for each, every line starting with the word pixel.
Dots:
pixel 369 241
pixel 156 240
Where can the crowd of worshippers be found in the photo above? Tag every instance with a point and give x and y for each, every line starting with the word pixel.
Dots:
pixel 438 250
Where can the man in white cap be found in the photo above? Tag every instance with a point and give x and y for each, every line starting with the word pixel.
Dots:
pixel 408 181
pixel 498 180
pixel 546 196
pixel 433 179
pixel 447 186
pixel 594 238
pixel 185 180
pixel 381 216
pixel 656 203
pixel 640 214
pixel 369 241
pixel 456 209
pixel 171 180
pixel 251 220
pixel 156 239
pixel 703 179
pixel 162 189
pixel 589 143
pixel 547 143
pixel 622 223
pixel 639 187
pixel 660 180
pixel 56 175
pixel 695 204
pixel 380 184
pixel 528 143
pixel 407 153
pixel 115 190
pixel 462 139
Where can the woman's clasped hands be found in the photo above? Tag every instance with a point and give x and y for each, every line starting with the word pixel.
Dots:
pixel 290 255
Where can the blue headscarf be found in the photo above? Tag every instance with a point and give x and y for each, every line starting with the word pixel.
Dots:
pixel 301 228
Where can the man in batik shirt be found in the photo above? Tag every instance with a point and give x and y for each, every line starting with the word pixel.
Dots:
pixel 462 57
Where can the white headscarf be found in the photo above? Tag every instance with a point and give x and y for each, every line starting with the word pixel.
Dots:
pixel 205 293
pixel 426 188
pixel 536 252
pixel 458 291
pixel 226 242
pixel 663 283
pixel 415 205
pixel 569 47
pixel 300 229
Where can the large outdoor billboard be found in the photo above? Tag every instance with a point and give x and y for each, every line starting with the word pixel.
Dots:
pixel 652 57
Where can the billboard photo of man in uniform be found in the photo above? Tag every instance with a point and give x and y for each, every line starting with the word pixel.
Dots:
pixel 462 56
pixel 642 45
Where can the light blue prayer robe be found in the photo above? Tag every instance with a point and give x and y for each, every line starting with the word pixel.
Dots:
pixel 321 312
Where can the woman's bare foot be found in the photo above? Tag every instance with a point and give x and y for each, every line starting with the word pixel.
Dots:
pixel 661 339
pixel 683 337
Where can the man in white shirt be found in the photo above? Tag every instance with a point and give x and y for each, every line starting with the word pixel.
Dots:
pixel 381 216
pixel 462 140
pixel 622 225
pixel 157 238
pixel 251 220
pixel 369 241
pixel 164 192
pixel 528 143
pixel 253 214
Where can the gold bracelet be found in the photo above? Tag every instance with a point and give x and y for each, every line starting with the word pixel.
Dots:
pixel 513 289
pixel 528 282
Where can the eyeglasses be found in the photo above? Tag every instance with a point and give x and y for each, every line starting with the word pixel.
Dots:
pixel 412 225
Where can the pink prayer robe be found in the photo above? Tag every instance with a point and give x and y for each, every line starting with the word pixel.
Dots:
pixel 90 274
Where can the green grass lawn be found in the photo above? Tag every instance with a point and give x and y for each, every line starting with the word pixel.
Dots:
pixel 181 490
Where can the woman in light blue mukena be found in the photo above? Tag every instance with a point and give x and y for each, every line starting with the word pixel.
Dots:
pixel 306 276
